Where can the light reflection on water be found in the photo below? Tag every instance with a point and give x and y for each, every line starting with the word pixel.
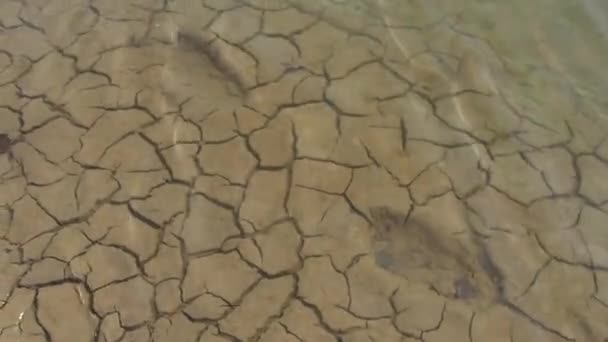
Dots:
pixel 569 38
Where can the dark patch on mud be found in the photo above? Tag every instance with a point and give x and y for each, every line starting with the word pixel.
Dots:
pixel 455 266
pixel 386 220
pixel 384 259
pixel 416 239
pixel 5 143
pixel 464 289
pixel 491 270
pixel 210 46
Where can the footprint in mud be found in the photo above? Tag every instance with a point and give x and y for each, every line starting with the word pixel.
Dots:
pixel 409 247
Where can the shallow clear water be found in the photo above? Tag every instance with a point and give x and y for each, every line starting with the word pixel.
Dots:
pixel 291 170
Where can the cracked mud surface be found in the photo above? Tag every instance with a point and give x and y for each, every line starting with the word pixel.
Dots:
pixel 290 170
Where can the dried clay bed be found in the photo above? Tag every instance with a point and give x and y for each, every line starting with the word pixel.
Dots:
pixel 248 170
